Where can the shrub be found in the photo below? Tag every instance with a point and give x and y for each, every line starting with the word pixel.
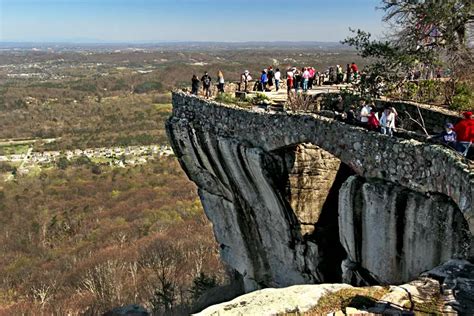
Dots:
pixel 463 97
pixel 430 90
pixel 62 163
pixel 225 98
pixel 410 90
pixel 82 160
pixel 260 98
pixel 303 102
pixel 148 86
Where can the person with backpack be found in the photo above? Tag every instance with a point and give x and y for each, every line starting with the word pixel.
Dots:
pixel 194 85
pixel 206 84
pixel 244 79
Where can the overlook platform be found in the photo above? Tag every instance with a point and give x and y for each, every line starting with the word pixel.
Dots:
pixel 282 96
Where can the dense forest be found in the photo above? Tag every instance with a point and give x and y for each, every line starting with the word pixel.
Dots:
pixel 83 240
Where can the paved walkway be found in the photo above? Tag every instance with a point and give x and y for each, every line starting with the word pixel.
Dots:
pixel 282 96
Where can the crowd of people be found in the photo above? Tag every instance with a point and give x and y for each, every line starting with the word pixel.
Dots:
pixel 270 79
pixel 459 137
pixel 302 79
pixel 368 116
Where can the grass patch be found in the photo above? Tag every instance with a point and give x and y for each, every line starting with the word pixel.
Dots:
pixel 163 108
pixel 228 98
pixel 429 307
pixel 354 297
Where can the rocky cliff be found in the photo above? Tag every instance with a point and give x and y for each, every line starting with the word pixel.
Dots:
pixel 300 199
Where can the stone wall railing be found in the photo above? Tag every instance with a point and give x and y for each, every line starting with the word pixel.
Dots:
pixel 419 166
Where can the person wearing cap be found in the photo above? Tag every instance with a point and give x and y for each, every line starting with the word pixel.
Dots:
pixel 448 136
pixel 465 133
pixel 244 79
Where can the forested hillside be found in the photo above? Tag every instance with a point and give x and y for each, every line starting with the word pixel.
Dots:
pixel 81 235
pixel 86 240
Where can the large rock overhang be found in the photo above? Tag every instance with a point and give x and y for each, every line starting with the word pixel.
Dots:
pixel 422 167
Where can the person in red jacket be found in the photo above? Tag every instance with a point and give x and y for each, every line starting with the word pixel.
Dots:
pixel 373 124
pixel 355 70
pixel 465 133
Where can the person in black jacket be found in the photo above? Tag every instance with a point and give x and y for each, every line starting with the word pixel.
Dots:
pixel 194 85
pixel 206 84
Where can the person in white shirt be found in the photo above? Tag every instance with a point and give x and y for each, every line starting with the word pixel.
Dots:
pixel 387 122
pixel 244 80
pixel 277 77
pixel 365 113
pixel 220 82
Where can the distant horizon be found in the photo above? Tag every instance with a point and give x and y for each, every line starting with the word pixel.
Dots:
pixel 151 21
pixel 151 42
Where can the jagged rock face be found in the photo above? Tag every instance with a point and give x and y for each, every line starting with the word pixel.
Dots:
pixel 392 234
pixel 273 197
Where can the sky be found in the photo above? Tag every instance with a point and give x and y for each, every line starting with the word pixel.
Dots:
pixel 185 20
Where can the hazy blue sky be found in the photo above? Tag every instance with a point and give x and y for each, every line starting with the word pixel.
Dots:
pixel 183 20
